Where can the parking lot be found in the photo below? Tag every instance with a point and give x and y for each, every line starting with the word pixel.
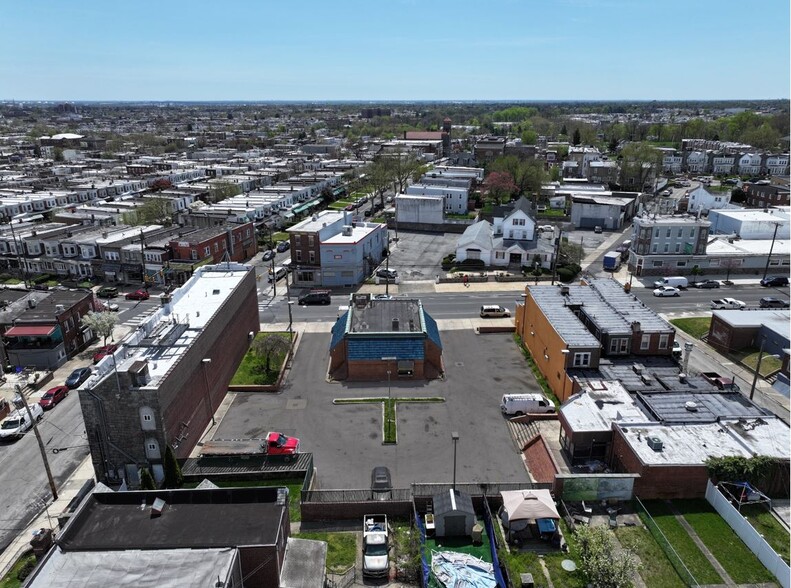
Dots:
pixel 417 256
pixel 347 441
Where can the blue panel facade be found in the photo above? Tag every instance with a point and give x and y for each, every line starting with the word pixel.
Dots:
pixel 376 348
pixel 432 330
pixel 339 329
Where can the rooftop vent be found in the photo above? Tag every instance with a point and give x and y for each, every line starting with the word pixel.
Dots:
pixel 347 230
pixel 655 443
pixel 638 368
pixel 157 507
pixel 564 290
pixel 395 324
pixel 31 303
pixel 691 406
pixel 682 377
pixel 59 308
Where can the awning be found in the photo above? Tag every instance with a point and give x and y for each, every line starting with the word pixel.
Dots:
pixel 30 331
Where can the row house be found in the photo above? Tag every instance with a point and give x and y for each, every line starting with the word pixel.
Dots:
pixel 583 156
pixel 766 195
pixel 725 163
pixel 210 245
pixel 602 172
pixel 455 199
pixel 701 200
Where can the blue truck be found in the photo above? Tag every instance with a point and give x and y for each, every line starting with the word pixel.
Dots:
pixel 612 261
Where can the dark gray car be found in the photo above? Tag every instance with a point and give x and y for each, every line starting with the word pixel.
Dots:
pixel 381 483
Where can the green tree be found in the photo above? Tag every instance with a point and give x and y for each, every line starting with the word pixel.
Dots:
pixel 529 137
pixel 152 211
pixel 602 566
pixel 576 137
pixel 738 196
pixel 563 131
pixel 527 174
pixel 268 345
pixel 101 323
pixel 146 480
pixel 379 177
pixel 402 167
pixel 222 190
pixel 173 476
pixel 754 470
pixel 638 164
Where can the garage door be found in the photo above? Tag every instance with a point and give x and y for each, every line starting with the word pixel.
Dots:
pixel 589 223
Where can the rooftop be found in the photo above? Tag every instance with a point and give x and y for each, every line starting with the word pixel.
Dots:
pixel 320 220
pixel 566 324
pixel 749 247
pixel 598 405
pixel 380 316
pixel 705 406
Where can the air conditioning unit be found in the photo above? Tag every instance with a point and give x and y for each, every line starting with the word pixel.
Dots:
pixel 655 443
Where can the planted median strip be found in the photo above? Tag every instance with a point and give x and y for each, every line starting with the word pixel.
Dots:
pixel 389 420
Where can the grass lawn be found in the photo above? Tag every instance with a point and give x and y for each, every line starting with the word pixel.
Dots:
pixel 560 577
pixel 697 326
pixel 678 537
pixel 749 357
pixel 280 236
pixel 294 492
pixel 10 580
pixel 774 533
pixel 724 544
pixel 341 548
pixel 252 370
pixel 551 212
pixel 656 571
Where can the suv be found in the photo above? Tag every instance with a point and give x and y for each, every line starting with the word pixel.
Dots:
pixel 315 297
pixel 494 311
pixel 107 292
pixel 390 274
pixel 774 281
pixel 381 483
pixel 772 302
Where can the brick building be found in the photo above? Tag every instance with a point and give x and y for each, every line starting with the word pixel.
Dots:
pixel 375 337
pixel 164 383
pixel 766 195
pixel 208 246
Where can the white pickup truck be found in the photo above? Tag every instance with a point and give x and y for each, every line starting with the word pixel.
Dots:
pixel 376 563
pixel 18 422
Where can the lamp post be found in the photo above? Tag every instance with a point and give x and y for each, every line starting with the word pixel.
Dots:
pixel 388 360
pixel 455 436
pixel 22 272
pixel 565 353
pixel 204 362
pixel 290 321
pixel 771 248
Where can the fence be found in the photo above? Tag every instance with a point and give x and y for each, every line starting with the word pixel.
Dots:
pixel 675 559
pixel 747 533
pixel 343 580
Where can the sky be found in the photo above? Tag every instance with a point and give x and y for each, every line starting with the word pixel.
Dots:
pixel 381 50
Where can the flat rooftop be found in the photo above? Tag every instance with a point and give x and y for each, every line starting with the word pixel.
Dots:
pixel 208 518
pixel 598 405
pixel 701 407
pixel 320 220
pixel 751 247
pixel 379 316
pixel 566 324
pixel 359 231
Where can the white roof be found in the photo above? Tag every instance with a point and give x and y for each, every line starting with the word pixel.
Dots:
pixel 749 246
pixel 598 405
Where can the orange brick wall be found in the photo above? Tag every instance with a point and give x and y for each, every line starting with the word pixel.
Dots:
pixel 539 461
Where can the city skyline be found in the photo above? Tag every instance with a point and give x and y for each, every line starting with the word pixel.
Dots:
pixel 566 50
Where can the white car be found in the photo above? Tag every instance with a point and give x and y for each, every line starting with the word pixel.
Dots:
pixel 727 304
pixel 667 291
pixel 110 306
pixel 546 229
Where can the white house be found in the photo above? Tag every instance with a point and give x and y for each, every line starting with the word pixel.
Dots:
pixel 515 224
pixel 479 242
pixel 455 198
pixel 777 165
pixel 750 164
pixel 696 162
pixel 701 200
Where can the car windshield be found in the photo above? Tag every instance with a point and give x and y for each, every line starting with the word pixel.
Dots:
pixel 374 550
pixel 48 395
pixel 10 424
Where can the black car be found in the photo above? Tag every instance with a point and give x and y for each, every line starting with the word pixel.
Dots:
pixel 708 284
pixel 283 246
pixel 381 483
pixel 772 302
pixel 315 297
pixel 268 255
pixel 77 377
pixel 774 281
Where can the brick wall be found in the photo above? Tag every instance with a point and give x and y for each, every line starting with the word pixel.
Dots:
pixel 539 461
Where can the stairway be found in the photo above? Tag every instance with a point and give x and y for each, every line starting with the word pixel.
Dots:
pixel 522 433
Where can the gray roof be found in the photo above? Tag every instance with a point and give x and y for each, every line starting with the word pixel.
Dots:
pixel 698 407
pixel 628 306
pixel 644 374
pixel 378 316
pixel 443 502
pixel 303 563
pixel 479 234
pixel 554 306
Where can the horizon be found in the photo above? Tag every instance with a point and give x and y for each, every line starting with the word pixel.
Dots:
pixel 298 101
pixel 354 51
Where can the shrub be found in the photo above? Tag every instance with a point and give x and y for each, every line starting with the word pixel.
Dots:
pixel 25 570
pixel 471 264
pixel 565 274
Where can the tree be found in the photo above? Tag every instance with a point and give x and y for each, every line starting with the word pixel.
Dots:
pixel 529 137
pixel 379 177
pixel 527 174
pixel 101 323
pixel 754 470
pixel 576 137
pixel 146 480
pixel 269 345
pixel 638 164
pixel 173 476
pixel 403 166
pixel 500 185
pixel 738 196
pixel 563 130
pixel 152 211
pixel 161 184
pixel 222 190
pixel 602 566
pixel 695 271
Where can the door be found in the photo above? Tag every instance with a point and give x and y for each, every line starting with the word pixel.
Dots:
pixel 454 525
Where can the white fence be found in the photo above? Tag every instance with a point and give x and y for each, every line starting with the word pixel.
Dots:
pixel 747 533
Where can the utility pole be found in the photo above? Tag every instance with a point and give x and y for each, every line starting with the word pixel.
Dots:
pixel 143 259
pixel 557 255
pixel 41 448
pixel 771 248
pixel 274 279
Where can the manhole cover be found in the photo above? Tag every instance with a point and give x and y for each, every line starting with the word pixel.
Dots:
pixel 459 364
pixel 296 404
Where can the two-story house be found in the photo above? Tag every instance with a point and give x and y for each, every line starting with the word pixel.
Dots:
pixel 667 245
pixel 701 200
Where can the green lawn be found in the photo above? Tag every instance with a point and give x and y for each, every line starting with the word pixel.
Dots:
pixel 10 580
pixel 656 571
pixel 280 236
pixel 724 544
pixel 678 537
pixel 551 212
pixel 696 326
pixel 749 357
pixel 518 562
pixel 560 577
pixel 252 370
pixel 773 532
pixel 341 548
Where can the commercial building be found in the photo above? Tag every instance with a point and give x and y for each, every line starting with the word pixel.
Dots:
pixel 664 245
pixel 167 378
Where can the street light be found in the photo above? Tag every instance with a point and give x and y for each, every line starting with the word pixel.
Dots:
pixel 455 436
pixel 388 360
pixel 204 362
pixel 290 321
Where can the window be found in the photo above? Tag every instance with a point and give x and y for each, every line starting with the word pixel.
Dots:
pixel 658 263
pixel 312 257
pixel 663 340
pixel 299 255
pixel 668 233
pixel 582 359
pixel 656 233
pixel 654 248
pixel 667 247
pixel 216 247
pixel 681 264
pixel 519 222
pixel 678 247
pixel 680 232
pixel 645 342
pixel 194 254
pixel 311 240
pixel 298 240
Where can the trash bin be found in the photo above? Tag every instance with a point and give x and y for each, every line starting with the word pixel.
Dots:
pixel 41 542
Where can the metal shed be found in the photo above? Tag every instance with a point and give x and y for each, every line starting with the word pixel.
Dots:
pixel 454 515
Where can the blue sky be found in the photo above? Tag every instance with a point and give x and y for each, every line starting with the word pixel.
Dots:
pixel 394 50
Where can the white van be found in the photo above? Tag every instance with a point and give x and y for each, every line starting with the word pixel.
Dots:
pixel 494 311
pixel 17 423
pixel 519 404
pixel 675 281
pixel 278 273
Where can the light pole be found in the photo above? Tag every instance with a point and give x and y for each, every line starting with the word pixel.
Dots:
pixel 388 360
pixel 290 321
pixel 22 272
pixel 41 448
pixel 565 353
pixel 204 362
pixel 455 436
pixel 771 248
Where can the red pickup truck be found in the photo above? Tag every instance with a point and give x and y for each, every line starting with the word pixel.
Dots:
pixel 273 445
pixel 721 382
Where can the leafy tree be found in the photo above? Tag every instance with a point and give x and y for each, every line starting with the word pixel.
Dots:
pixel 601 565
pixel 695 271
pixel 146 480
pixel 563 130
pixel 161 184
pixel 173 476
pixel 527 174
pixel 379 177
pixel 500 185
pixel 222 190
pixel 101 323
pixel 612 145
pixel 738 196
pixel 754 470
pixel 529 137
pixel 638 162
pixel 576 137
pixel 153 210
pixel 269 345
pixel 402 167
pixel 58 154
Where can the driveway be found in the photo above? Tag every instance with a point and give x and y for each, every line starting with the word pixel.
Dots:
pixel 346 440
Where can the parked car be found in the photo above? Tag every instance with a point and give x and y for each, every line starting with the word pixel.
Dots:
pixel 390 274
pixel 772 302
pixel 774 281
pixel 18 422
pixel 283 246
pixel 381 483
pixel 597 229
pixel 708 284
pixel 110 306
pixel 494 311
pixel 667 291
pixel 315 297
pixel 675 281
pixel 545 229
pixel 727 304
pixel 77 377
pixel 104 351
pixel 107 292
pixel 268 255
pixel 53 396
pixel 383 297
pixel 137 295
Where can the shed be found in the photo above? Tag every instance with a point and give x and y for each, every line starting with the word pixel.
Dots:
pixel 454 515
pixel 304 563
